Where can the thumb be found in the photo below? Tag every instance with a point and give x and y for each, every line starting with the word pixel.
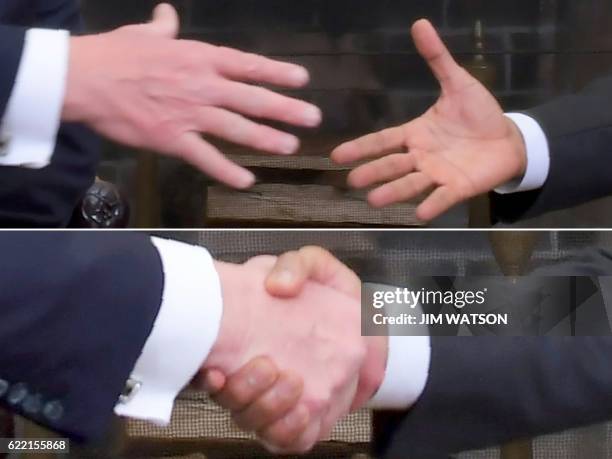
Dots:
pixel 165 22
pixel 431 47
pixel 287 277
pixel 294 269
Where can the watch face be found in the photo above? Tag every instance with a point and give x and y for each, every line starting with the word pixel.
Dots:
pixel 104 207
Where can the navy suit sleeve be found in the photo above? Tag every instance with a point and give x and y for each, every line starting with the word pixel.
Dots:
pixel 45 198
pixel 11 47
pixel 76 311
pixel 579 132
pixel 52 14
pixel 486 391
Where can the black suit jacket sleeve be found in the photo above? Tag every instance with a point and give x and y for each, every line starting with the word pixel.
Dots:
pixel 76 310
pixel 579 132
pixel 11 48
pixel 485 391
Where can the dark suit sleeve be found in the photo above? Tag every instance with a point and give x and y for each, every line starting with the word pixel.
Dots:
pixel 45 198
pixel 11 47
pixel 579 132
pixel 485 391
pixel 76 311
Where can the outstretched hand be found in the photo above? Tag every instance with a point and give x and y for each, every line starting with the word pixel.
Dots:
pixel 461 147
pixel 141 86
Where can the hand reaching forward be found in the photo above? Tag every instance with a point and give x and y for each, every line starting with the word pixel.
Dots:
pixel 250 392
pixel 461 147
pixel 314 341
pixel 140 86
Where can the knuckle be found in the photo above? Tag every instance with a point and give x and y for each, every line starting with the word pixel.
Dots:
pixel 269 406
pixel 236 398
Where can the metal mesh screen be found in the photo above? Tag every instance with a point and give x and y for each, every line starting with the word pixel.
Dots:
pixel 388 257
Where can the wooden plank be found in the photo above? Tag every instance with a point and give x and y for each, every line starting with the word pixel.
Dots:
pixel 309 204
pixel 314 154
pixel 320 163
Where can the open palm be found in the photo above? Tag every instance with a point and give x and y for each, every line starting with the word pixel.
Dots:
pixel 461 147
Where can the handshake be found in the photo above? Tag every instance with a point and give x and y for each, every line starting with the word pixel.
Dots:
pixel 289 360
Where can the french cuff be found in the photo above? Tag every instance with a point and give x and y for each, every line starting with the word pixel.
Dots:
pixel 31 121
pixel 538 156
pixel 184 332
pixel 407 371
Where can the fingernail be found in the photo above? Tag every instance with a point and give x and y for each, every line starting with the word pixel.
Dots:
pixel 259 377
pixel 312 116
pixel 285 277
pixel 299 75
pixel 289 145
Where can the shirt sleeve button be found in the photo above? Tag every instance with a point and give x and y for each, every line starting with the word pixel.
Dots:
pixel 53 410
pixel 17 394
pixel 32 404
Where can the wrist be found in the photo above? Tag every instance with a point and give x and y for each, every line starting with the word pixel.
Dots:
pixel 75 101
pixel 518 148
pixel 232 332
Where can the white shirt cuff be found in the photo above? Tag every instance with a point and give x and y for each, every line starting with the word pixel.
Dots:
pixel 407 369
pixel 184 332
pixel 29 128
pixel 406 375
pixel 538 156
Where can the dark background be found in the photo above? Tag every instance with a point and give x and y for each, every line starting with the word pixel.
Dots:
pixel 366 74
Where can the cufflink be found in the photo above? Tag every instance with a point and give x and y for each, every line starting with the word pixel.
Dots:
pixel 130 390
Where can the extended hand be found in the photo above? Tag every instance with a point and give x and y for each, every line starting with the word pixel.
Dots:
pixel 313 338
pixel 140 86
pixel 249 393
pixel 461 147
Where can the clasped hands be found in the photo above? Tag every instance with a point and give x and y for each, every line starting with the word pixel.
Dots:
pixel 290 361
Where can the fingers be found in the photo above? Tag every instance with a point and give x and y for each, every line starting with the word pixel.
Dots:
pixel 382 170
pixel 370 146
pixel 286 431
pixel 275 441
pixel 263 103
pixel 400 190
pixel 273 405
pixel 247 385
pixel 165 22
pixel 432 49
pixel 193 149
pixel 241 66
pixel 293 269
pixel 212 381
pixel 242 131
pixel 438 202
